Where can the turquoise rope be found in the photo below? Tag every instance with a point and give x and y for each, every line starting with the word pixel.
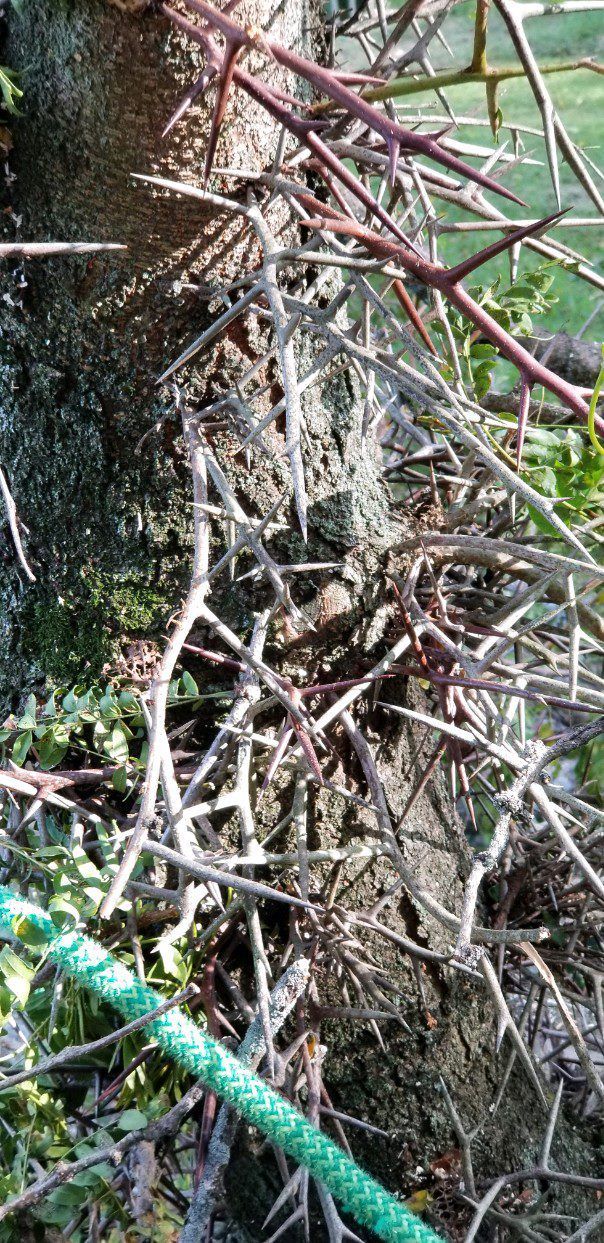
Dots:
pixel 184 1042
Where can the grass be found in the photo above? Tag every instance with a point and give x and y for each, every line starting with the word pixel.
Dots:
pixel 579 97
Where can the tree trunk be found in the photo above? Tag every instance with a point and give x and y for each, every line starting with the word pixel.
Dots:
pixel 109 532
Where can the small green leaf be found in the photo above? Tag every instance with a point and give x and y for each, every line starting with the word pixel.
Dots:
pixel 17 974
pixel 21 747
pixel 119 780
pixel 132 1120
pixel 28 720
pixel 63 912
pixel 116 746
pixel 28 931
pixel 50 753
pixel 190 685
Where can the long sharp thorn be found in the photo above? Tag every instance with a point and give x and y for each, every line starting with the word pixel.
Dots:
pixel 308 749
pixel 326 158
pixel 356 79
pixel 297 469
pixel 222 95
pixel 500 1033
pixel 438 153
pixel 276 758
pixel 437 134
pixel 413 315
pixel 394 148
pixel 514 258
pixel 463 269
pixel 326 82
pixel 470 806
pixel 504 1017
pixel 549 134
pixel 187 100
pixel 523 413
pixel 194 32
pixel 439 278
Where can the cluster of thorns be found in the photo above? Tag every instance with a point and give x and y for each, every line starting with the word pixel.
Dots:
pixel 502 634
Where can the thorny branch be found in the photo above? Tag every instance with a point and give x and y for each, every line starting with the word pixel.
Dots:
pixel 491 619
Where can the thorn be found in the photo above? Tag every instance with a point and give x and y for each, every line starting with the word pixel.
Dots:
pixel 413 315
pixel 357 79
pixel 437 134
pixel 470 806
pixel 463 269
pixel 222 95
pixel 394 148
pixel 523 413
pixel 501 1030
pixel 438 153
pixel 326 157
pixel 514 261
pixel 187 100
pixel 549 135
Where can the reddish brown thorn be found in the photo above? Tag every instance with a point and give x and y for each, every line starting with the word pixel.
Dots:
pixel 216 658
pixel 437 277
pixel 463 269
pixel 437 134
pixel 312 204
pixel 413 315
pixel 435 759
pixel 354 79
pixel 309 752
pixel 295 103
pixel 470 806
pixel 218 20
pixel 325 688
pixel 187 100
pixel 222 94
pixel 326 82
pixel 486 684
pixel 327 158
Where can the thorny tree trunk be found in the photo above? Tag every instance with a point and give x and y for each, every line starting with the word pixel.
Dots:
pixel 109 524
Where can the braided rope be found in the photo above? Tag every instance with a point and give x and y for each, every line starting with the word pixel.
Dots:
pixel 184 1042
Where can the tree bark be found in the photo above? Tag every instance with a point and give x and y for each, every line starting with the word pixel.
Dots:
pixel 572 358
pixel 109 532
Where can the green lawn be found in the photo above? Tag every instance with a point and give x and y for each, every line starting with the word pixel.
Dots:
pixel 579 97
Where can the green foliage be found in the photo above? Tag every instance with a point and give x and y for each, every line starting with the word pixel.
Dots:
pixel 514 308
pixel 105 721
pixel 591 422
pixel 10 90
pixel 561 464
pixel 15 976
pixel 590 769
pixel 37 1121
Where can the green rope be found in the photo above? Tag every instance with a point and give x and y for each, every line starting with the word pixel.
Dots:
pixel 181 1040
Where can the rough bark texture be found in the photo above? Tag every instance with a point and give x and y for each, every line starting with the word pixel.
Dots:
pixel 108 522
pixel 109 530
